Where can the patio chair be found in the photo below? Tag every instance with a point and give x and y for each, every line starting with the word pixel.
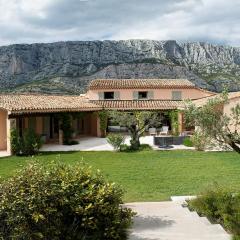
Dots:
pixel 164 130
pixel 152 131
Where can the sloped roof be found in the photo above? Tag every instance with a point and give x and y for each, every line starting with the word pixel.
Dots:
pixel 203 101
pixel 139 104
pixel 45 103
pixel 139 83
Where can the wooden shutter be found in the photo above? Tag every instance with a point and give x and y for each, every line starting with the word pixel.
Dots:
pixel 135 95
pixel 176 95
pixel 116 95
pixel 101 96
pixel 150 95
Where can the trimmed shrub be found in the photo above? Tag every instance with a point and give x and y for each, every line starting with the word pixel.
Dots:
pixel 174 122
pixel 124 148
pixel 103 117
pixel 200 141
pixel 66 127
pixel 115 140
pixel 143 147
pixel 219 206
pixel 15 142
pixel 27 145
pixel 61 202
pixel 187 142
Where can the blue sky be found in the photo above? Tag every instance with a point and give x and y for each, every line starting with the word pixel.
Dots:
pixel 28 21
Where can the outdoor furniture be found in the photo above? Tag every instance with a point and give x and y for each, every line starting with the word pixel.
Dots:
pixel 187 133
pixel 169 140
pixel 163 142
pixel 164 130
pixel 123 129
pixel 152 131
pixel 114 128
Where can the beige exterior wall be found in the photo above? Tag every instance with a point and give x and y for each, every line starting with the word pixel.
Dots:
pixel 162 94
pixel 227 110
pixel 3 129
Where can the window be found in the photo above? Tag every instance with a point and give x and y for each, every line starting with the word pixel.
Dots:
pixel 142 95
pixel 176 95
pixel 108 95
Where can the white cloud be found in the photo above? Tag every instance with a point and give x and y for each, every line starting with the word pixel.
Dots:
pixel 26 21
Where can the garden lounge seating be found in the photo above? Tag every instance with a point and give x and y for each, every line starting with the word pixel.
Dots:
pixel 164 130
pixel 152 131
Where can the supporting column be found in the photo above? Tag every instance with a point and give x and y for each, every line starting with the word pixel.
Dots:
pixel 95 125
pixel 26 122
pixel 60 137
pixel 180 122
pixel 10 124
pixel 39 125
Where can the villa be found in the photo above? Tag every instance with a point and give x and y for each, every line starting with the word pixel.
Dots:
pixel 38 112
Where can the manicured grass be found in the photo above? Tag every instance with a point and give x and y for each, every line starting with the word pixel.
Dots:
pixel 150 175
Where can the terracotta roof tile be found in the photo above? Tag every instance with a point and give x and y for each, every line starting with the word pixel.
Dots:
pixel 202 101
pixel 139 104
pixel 139 83
pixel 45 103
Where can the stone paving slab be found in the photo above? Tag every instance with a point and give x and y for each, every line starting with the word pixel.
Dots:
pixel 4 154
pixel 101 144
pixel 170 221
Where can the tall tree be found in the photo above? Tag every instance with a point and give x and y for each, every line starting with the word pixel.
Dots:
pixel 222 129
pixel 136 122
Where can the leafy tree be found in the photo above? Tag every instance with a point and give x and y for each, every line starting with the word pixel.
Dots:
pixel 222 129
pixel 136 122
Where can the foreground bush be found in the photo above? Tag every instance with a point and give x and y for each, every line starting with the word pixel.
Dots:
pixel 61 202
pixel 116 140
pixel 220 206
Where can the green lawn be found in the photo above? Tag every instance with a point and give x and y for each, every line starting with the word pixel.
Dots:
pixel 150 175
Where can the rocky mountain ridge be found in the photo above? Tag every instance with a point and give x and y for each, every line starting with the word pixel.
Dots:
pixel 67 67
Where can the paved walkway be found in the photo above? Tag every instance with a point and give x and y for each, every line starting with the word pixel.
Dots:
pixel 100 144
pixel 4 154
pixel 170 221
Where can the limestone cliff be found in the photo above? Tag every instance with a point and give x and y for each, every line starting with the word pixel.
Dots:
pixel 67 67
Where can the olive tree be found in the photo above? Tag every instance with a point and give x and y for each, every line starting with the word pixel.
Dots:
pixel 136 122
pixel 213 123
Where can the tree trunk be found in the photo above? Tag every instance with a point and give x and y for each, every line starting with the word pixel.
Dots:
pixel 235 147
pixel 135 142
